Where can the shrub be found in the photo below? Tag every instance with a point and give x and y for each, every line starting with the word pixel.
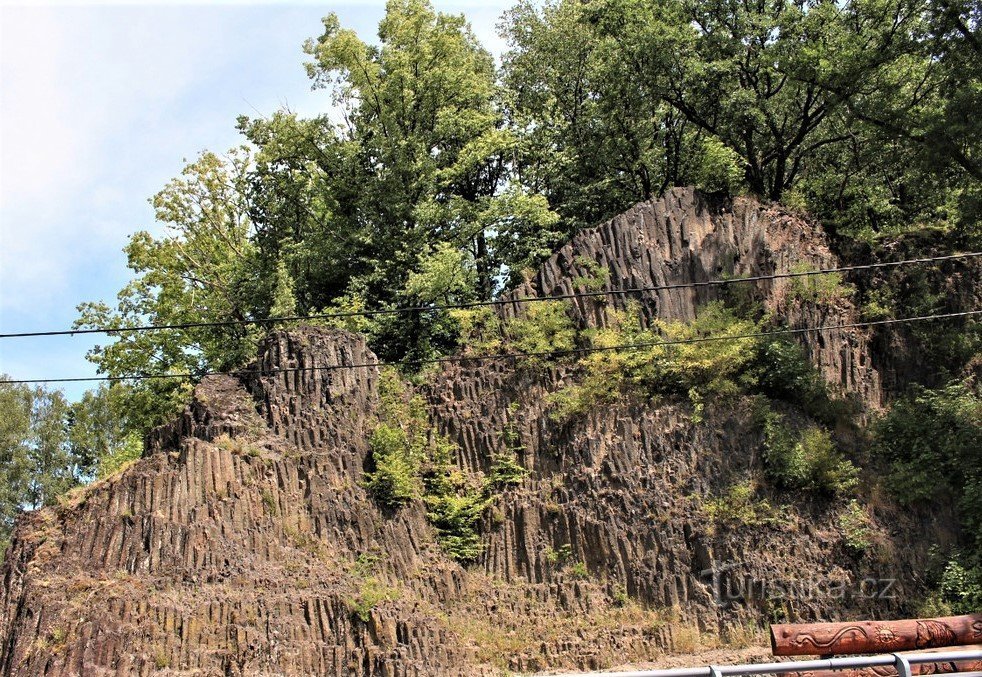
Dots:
pixel 958 590
pixel 479 330
pixel 579 570
pixel 932 442
pixel 596 277
pixel 544 327
pixel 825 288
pixel 456 516
pixel 783 371
pixel 506 470
pixel 394 480
pixel 370 593
pixel 269 501
pixel 856 527
pixel 691 366
pixel 739 506
pixel 805 460
pixel 560 556
pixel 961 587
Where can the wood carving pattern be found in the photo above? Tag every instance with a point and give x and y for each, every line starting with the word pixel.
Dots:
pixel 874 636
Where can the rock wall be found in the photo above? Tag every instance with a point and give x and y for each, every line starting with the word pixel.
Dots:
pixel 244 543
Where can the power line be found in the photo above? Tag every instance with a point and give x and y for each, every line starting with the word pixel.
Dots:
pixel 478 304
pixel 499 356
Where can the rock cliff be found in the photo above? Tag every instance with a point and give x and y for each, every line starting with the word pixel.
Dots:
pixel 244 542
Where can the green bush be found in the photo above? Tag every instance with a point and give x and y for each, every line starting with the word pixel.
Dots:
pixel 506 470
pixel 479 330
pixel 579 570
pixel 932 444
pixel 961 587
pixel 783 371
pixel 370 593
pixel 544 327
pixel 958 590
pixel 932 441
pixel 596 277
pixel 856 527
pixel 394 480
pixel 455 505
pixel 739 506
pixel 690 366
pixel 805 460
pixel 824 289
pixel 560 555
pixel 412 461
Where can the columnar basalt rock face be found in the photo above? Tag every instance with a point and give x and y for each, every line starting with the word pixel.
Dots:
pixel 244 542
pixel 687 238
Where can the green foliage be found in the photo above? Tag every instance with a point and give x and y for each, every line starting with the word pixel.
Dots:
pixel 456 509
pixel 98 436
pixel 269 502
pixel 445 275
pixel 506 470
pixel 692 366
pixel 371 593
pixel 859 112
pixel 719 168
pixel 856 527
pixel 739 506
pixel 825 289
pixel 961 587
pixel 783 371
pixel 45 449
pixel 412 461
pixel 561 555
pixel 394 481
pixel 932 444
pixel 805 459
pixel 201 270
pixel 400 443
pixel 544 327
pixel 479 330
pixel 579 570
pixel 596 277
pixel 284 300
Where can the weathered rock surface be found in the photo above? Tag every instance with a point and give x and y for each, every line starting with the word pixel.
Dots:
pixel 244 543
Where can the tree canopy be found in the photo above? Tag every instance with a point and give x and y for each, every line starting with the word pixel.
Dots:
pixel 438 175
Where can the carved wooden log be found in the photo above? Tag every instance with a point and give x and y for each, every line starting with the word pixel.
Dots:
pixel 829 639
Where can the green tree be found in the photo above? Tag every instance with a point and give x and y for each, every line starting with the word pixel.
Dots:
pixel 593 139
pixel 98 436
pixel 15 430
pixel 37 463
pixel 201 270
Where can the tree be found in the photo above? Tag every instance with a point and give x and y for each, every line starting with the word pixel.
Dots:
pixel 37 463
pixel 98 437
pixel 593 140
pixel 15 427
pixel 201 271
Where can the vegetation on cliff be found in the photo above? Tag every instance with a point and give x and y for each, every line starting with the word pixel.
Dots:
pixel 452 177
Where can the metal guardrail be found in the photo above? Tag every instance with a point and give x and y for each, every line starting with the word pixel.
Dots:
pixel 901 662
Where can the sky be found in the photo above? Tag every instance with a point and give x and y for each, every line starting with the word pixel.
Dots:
pixel 101 105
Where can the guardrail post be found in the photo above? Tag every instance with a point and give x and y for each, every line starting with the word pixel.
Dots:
pixel 903 665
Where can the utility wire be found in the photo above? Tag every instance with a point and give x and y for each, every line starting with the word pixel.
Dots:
pixel 478 304
pixel 499 356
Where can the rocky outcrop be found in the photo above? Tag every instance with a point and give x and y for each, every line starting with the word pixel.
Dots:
pixel 244 542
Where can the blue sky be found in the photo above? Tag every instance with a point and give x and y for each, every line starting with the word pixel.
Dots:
pixel 99 107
